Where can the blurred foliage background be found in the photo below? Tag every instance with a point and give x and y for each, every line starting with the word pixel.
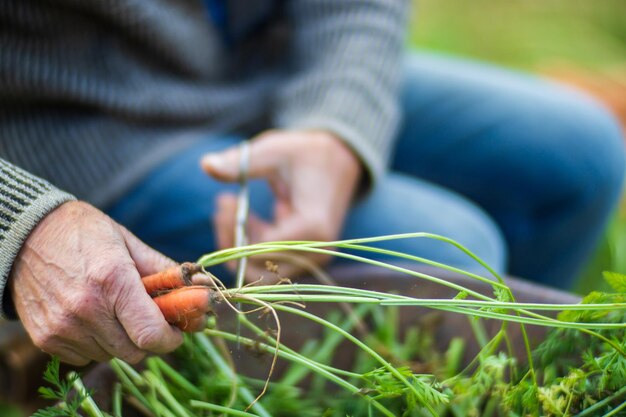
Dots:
pixel 578 42
pixel 527 34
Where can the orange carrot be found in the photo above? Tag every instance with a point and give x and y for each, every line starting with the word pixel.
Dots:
pixel 186 307
pixel 194 325
pixel 170 278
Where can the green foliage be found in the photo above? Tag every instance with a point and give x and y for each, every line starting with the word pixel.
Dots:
pixel 616 280
pixel 397 372
pixel 580 370
pixel 60 392
pixel 576 371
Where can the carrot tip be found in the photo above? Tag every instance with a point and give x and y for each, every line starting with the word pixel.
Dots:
pixel 188 270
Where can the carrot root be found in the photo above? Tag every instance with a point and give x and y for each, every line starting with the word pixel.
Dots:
pixel 187 307
pixel 170 278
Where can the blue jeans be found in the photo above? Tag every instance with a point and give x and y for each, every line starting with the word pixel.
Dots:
pixel 521 171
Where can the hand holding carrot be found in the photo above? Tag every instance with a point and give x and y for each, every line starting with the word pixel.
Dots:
pixel 313 175
pixel 182 304
pixel 77 289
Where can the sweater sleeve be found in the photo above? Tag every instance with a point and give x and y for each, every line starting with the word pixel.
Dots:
pixel 345 65
pixel 24 201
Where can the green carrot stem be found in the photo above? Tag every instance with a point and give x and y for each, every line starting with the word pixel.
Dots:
pixel 296 377
pixel 162 410
pixel 462 310
pixel 339 243
pixel 225 410
pixel 128 382
pixel 304 362
pixel 117 399
pixel 162 390
pixel 425 261
pixel 176 377
pixel 128 370
pixel 361 345
pixel 616 410
pixel 479 331
pixel 224 368
pixel 358 259
pixel 265 293
pixel 454 356
pixel 88 404
pixel 593 410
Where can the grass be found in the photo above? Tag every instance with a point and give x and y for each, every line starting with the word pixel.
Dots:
pixel 526 34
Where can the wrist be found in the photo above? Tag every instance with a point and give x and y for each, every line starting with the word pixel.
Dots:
pixel 345 156
pixel 21 231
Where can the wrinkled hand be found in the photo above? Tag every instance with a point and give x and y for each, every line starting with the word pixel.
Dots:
pixel 77 289
pixel 313 175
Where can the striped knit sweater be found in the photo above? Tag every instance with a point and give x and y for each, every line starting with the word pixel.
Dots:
pixel 94 93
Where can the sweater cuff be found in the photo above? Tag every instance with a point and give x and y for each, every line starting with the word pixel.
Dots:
pixel 24 201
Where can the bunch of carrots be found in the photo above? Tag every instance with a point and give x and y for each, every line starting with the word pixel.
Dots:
pixel 183 304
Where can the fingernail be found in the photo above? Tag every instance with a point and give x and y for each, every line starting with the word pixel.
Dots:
pixel 214 161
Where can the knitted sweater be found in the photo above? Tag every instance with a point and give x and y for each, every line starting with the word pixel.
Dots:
pixel 95 93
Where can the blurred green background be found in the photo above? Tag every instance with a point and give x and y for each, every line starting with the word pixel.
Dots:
pixel 587 37
pixel 527 34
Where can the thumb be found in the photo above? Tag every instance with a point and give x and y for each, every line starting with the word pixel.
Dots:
pixel 147 260
pixel 225 165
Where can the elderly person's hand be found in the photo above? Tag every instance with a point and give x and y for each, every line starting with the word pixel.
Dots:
pixel 77 289
pixel 313 175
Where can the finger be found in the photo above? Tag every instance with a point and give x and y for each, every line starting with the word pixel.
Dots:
pixel 224 220
pixel 142 320
pixel 91 349
pixel 69 355
pixel 224 166
pixel 295 227
pixel 290 266
pixel 257 228
pixel 116 343
pixel 261 231
pixel 292 227
pixel 147 260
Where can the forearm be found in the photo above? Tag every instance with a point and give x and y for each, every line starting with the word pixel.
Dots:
pixel 24 200
pixel 346 73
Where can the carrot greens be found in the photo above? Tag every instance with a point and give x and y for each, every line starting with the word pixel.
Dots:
pixel 578 369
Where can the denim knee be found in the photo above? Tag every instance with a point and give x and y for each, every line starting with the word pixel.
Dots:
pixel 401 204
pixel 598 141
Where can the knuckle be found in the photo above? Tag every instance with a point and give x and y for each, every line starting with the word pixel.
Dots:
pixel 44 341
pixel 80 306
pixel 321 229
pixel 112 273
pixel 62 327
pixel 112 281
